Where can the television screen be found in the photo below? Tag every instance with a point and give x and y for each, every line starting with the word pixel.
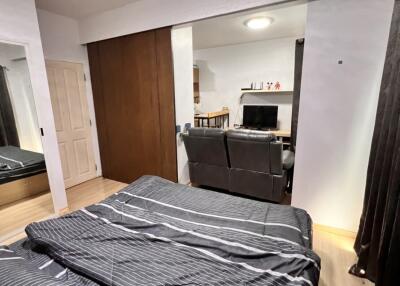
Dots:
pixel 260 116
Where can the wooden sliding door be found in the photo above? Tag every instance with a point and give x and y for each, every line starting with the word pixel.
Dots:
pixel 132 78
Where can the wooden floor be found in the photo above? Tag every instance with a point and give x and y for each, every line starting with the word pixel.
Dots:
pixel 335 249
pixel 337 255
pixel 15 217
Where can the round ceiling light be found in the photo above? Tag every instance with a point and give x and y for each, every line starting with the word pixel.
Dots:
pixel 258 23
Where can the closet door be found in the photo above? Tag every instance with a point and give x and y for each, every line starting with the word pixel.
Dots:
pixel 132 80
pixel 71 114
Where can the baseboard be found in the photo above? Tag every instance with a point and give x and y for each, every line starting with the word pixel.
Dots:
pixel 333 230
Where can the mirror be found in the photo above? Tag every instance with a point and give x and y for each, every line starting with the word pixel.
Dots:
pixel 23 173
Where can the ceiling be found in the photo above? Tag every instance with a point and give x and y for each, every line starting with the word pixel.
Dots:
pixel 79 9
pixel 288 21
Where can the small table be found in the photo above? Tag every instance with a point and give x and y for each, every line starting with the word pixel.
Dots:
pixel 284 136
pixel 281 133
pixel 218 116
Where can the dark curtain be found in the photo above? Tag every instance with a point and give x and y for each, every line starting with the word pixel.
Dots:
pixel 378 240
pixel 298 68
pixel 8 129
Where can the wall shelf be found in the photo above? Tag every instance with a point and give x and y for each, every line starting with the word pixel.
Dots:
pixel 268 92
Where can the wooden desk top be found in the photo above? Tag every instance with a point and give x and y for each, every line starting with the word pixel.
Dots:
pixel 282 133
pixel 211 114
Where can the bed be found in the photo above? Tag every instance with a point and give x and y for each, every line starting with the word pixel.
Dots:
pixel 155 232
pixel 16 163
pixel 22 174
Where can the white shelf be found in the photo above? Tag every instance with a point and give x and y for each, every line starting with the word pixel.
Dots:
pixel 268 92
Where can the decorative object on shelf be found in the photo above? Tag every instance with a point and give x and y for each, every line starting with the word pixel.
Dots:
pixel 268 86
pixel 267 92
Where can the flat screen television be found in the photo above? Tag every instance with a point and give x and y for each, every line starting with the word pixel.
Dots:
pixel 260 116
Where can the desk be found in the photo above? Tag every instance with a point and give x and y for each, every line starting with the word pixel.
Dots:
pixel 283 136
pixel 218 117
pixel 282 133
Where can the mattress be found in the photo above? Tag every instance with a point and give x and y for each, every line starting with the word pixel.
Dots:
pixel 16 163
pixel 155 232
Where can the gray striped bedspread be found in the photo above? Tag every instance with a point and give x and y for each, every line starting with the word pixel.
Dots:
pixel 155 232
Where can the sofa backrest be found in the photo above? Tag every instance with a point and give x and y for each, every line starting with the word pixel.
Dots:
pixel 207 145
pixel 255 151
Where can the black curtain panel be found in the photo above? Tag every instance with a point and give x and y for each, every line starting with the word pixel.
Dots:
pixel 298 68
pixel 378 240
pixel 8 128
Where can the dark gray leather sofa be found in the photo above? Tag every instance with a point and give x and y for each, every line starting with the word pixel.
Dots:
pixel 246 162
pixel 208 159
pixel 256 165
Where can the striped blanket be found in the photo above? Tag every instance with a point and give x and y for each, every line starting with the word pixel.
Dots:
pixel 155 232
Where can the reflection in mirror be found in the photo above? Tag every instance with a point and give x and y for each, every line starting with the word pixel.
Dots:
pixel 23 173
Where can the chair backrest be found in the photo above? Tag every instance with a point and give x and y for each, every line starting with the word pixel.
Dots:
pixel 207 145
pixel 255 151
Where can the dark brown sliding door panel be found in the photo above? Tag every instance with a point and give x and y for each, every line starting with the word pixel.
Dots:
pixel 133 94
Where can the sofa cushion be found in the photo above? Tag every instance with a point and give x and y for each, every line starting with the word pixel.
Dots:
pixel 251 135
pixel 207 132
pixel 207 145
pixel 250 150
pixel 250 183
pixel 209 175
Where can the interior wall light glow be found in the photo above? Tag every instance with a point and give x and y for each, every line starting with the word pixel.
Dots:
pixel 258 23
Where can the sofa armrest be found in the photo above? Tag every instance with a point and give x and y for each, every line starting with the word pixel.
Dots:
pixel 287 159
pixel 276 149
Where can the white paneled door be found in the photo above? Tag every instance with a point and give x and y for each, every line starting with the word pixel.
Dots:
pixel 71 115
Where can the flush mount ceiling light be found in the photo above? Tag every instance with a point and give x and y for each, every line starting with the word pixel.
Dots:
pixel 258 23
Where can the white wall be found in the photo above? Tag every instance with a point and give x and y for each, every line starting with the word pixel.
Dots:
pixel 60 39
pixel 225 70
pixel 18 24
pixel 338 105
pixel 182 46
pixel 150 14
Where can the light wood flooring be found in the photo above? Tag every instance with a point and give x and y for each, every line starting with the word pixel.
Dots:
pixel 334 247
pixel 15 217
